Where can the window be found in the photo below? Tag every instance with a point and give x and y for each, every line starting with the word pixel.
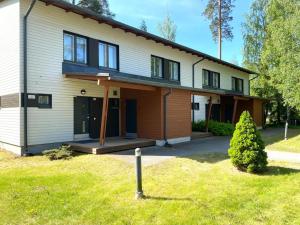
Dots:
pixel 156 67
pixel 237 84
pixel 196 106
pixel 173 70
pixel 211 79
pixel 44 101
pixel 75 48
pixel 108 55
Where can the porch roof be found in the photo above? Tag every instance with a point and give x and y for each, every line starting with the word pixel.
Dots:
pixel 114 77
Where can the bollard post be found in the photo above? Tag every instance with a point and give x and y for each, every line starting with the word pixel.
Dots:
pixel 139 191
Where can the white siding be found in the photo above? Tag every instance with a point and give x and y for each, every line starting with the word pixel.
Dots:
pixel 10 69
pixel 46 26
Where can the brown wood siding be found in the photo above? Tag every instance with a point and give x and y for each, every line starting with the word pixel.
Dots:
pixel 149 112
pixel 258 112
pixel 179 114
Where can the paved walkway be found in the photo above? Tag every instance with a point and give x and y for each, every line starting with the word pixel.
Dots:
pixel 155 155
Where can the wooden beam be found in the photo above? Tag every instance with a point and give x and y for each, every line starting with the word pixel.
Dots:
pixel 209 114
pixel 234 110
pixel 241 98
pixel 104 115
pixel 127 85
pixel 199 93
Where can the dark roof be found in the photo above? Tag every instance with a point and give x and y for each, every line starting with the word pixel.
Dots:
pixel 86 13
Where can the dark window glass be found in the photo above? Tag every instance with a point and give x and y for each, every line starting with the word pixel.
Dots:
pixel 81 49
pixel 68 47
pixel 237 84
pixel 156 67
pixel 108 55
pixel 210 79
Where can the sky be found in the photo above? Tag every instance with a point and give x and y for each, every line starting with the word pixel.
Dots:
pixel 192 28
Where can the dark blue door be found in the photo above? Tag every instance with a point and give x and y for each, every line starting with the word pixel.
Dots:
pixel 131 117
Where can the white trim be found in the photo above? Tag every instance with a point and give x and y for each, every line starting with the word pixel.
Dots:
pixel 173 141
pixel 11 148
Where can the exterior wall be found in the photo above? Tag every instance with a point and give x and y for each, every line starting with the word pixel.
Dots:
pixel 179 114
pixel 10 74
pixel 149 112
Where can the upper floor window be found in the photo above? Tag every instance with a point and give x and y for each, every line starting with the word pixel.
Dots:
pixel 237 84
pixel 156 67
pixel 108 55
pixel 211 79
pixel 75 48
pixel 173 70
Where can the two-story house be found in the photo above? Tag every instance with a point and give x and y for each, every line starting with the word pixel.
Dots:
pixel 69 74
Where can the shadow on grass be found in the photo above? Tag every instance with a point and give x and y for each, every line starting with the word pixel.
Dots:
pixel 278 171
pixel 167 198
pixel 273 135
pixel 208 157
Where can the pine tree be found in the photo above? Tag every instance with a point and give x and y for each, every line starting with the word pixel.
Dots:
pixel 246 146
pixel 218 12
pixel 98 6
pixel 143 26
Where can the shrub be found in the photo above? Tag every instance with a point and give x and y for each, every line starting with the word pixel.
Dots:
pixel 215 127
pixel 246 146
pixel 64 152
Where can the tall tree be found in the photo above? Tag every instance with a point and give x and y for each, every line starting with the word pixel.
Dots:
pixel 168 28
pixel 143 26
pixel 218 12
pixel 98 6
pixel 281 53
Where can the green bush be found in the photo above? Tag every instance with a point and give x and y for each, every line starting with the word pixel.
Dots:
pixel 64 152
pixel 246 146
pixel 215 127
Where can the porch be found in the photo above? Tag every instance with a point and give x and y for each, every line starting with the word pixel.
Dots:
pixel 112 144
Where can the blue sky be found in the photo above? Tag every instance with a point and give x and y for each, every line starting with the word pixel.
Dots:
pixel 192 28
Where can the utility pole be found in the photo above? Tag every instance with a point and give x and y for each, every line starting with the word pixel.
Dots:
pixel 220 29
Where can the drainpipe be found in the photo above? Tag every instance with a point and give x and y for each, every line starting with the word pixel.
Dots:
pixel 25 75
pixel 193 83
pixel 165 115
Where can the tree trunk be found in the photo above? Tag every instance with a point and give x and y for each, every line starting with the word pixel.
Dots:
pixel 220 29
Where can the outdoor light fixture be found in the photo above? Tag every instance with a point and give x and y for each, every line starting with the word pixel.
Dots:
pixel 83 91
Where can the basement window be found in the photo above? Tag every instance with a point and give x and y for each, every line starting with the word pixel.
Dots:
pixel 44 101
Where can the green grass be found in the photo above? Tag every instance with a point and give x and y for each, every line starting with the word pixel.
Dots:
pixel 92 189
pixel 276 142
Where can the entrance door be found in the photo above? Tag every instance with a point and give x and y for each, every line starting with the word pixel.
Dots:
pixel 112 127
pixel 95 116
pixel 228 112
pixel 131 118
pixel 81 116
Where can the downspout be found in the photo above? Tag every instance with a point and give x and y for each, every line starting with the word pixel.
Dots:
pixel 25 75
pixel 193 83
pixel 165 115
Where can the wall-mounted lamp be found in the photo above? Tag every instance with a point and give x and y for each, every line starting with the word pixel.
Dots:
pixel 83 91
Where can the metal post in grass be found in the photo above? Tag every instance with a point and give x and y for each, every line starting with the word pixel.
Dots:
pixel 286 123
pixel 139 190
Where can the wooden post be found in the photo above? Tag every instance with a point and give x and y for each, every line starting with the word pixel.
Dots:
pixel 104 115
pixel 209 114
pixel 234 110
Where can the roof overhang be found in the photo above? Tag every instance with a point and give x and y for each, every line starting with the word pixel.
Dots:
pixel 86 13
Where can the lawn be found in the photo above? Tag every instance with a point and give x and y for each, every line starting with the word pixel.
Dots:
pixel 91 189
pixel 275 140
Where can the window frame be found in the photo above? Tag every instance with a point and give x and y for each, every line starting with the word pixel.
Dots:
pixel 165 71
pixel 210 79
pixel 170 75
pixel 107 52
pixel 234 87
pixel 44 106
pixel 162 67
pixel 75 36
